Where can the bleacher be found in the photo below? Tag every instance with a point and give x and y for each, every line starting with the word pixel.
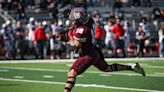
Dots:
pixel 1 21
pixel 104 7
pixel 39 16
pixel 109 3
pixel 159 2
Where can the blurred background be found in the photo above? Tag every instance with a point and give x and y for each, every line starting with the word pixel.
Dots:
pixel 20 20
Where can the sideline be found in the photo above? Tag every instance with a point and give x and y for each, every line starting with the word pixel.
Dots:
pixel 72 60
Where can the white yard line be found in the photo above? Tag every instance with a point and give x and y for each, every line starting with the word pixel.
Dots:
pixel 38 61
pixel 48 76
pixel 4 70
pixel 80 76
pixel 35 69
pixel 97 72
pixel 159 73
pixel 18 77
pixel 82 85
pixel 72 60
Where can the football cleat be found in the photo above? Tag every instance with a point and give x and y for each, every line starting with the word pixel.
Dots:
pixel 138 69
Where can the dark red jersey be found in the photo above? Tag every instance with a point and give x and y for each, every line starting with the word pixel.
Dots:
pixel 91 55
pixel 86 35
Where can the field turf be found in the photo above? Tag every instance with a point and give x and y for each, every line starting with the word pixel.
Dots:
pixel 51 77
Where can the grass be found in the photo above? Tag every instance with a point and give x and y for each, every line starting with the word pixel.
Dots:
pixel 51 77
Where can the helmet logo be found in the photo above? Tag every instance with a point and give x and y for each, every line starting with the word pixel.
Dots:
pixel 77 15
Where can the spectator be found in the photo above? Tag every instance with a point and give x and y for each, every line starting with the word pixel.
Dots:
pixel 30 30
pixel 2 50
pixel 96 16
pixel 46 27
pixel 109 35
pixel 161 40
pixel 1 3
pixel 147 3
pixel 24 3
pixel 15 4
pixel 40 40
pixel 112 16
pixel 121 17
pixel 144 24
pixel 19 40
pixel 99 35
pixel 8 4
pixel 1 43
pixel 146 28
pixel 37 5
pixel 64 2
pixel 69 49
pixel 156 13
pixel 53 10
pixel 128 31
pixel 4 26
pixel 31 3
pixel 141 37
pixel 57 47
pixel 43 4
pixel 162 14
pixel 52 38
pixel 31 26
pixel 80 3
pixel 8 36
pixel 136 2
pixel 66 11
pixel 117 7
pixel 48 34
pixel 54 26
pixel 21 14
pixel 125 3
pixel 156 16
pixel 119 31
pixel 90 2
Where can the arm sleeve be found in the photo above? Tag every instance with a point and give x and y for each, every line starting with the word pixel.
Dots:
pixel 70 34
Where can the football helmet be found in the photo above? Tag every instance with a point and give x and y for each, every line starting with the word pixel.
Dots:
pixel 79 16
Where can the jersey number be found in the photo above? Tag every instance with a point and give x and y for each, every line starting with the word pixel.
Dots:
pixel 80 30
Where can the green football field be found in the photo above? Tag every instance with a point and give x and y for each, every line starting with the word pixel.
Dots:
pixel 51 77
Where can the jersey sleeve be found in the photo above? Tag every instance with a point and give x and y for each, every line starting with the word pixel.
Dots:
pixel 70 34
pixel 80 34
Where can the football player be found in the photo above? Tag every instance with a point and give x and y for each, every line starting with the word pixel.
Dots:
pixel 82 36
